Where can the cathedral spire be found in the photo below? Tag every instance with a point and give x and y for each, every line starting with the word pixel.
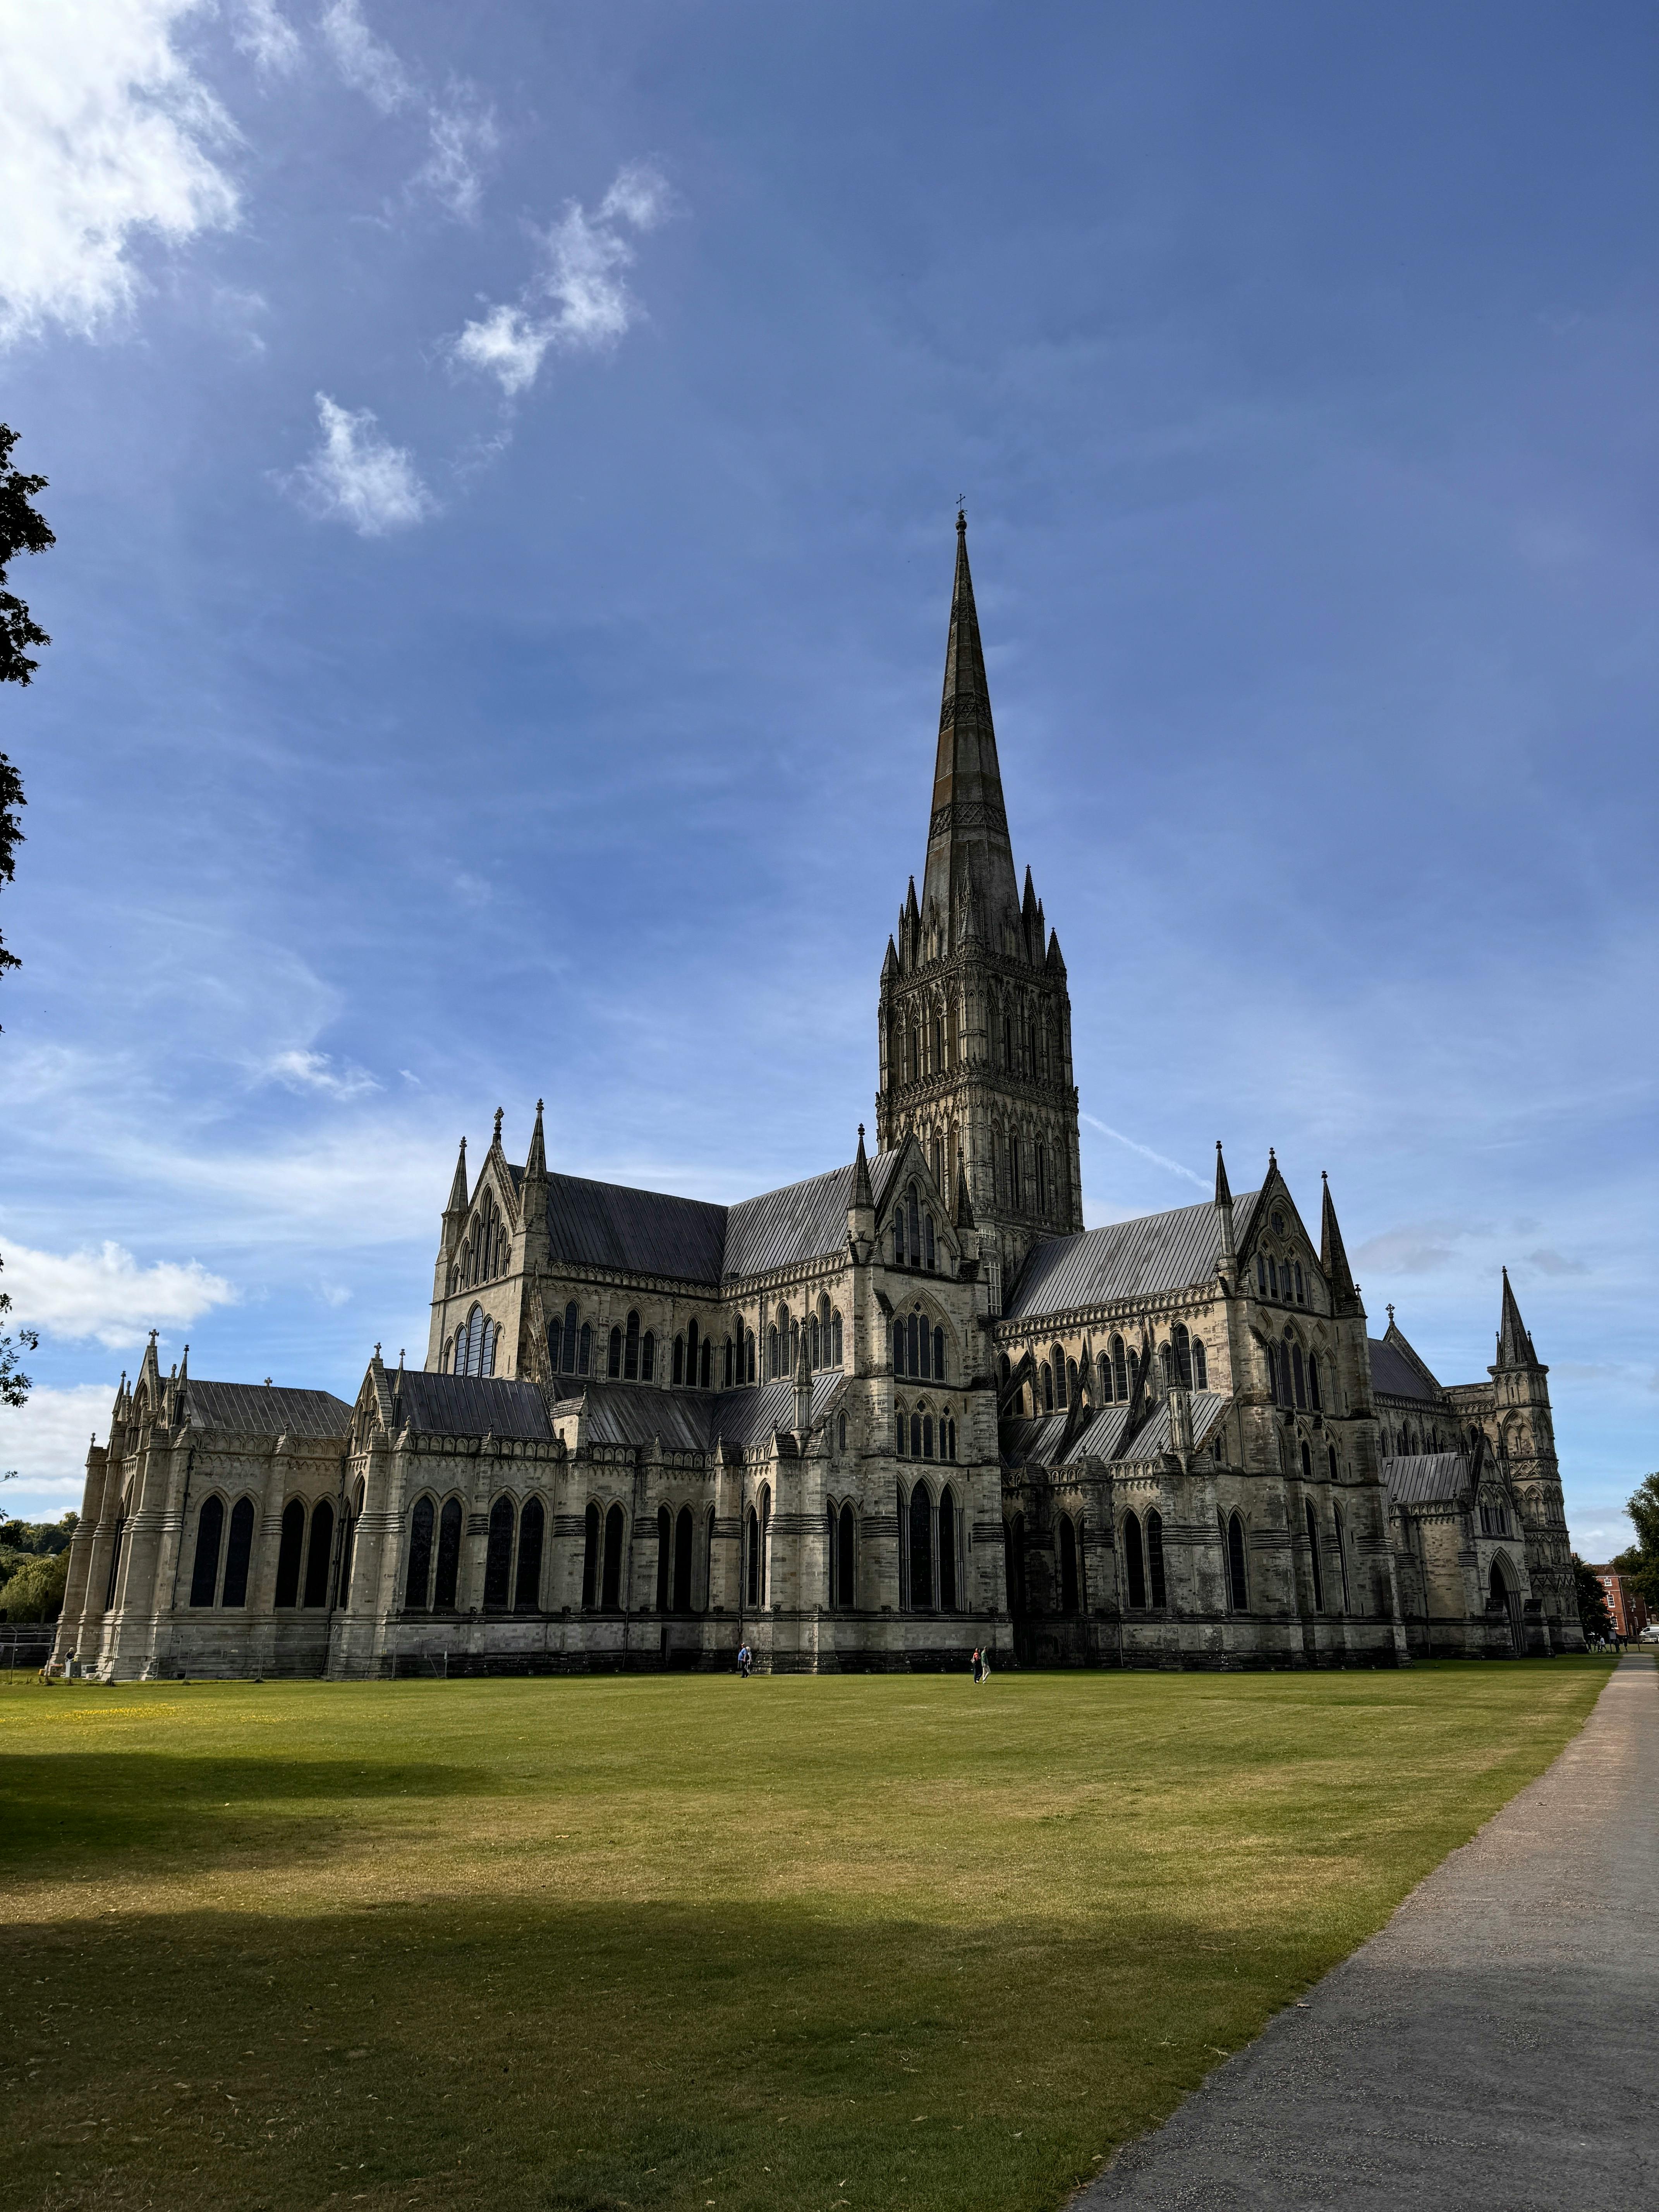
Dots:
pixel 1514 1340
pixel 968 847
pixel 1333 1258
pixel 536 1163
pixel 861 1193
pixel 458 1192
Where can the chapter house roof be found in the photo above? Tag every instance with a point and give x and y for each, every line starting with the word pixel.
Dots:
pixel 1153 1254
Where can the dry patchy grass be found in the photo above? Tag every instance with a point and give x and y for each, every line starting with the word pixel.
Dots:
pixel 683 1943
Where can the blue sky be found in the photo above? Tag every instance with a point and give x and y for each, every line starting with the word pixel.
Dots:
pixel 503 463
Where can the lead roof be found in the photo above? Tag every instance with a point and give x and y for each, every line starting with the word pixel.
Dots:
pixel 1394 1376
pixel 261 1409
pixel 651 1232
pixel 1103 1434
pixel 1153 1253
pixel 1426 1478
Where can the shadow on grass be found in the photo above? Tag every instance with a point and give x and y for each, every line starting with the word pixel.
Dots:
pixel 75 1801
pixel 626 2054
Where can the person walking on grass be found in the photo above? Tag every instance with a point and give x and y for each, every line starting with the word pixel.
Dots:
pixel 976 1666
pixel 743 1662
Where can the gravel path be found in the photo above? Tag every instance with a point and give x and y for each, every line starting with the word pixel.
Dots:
pixel 1496 2044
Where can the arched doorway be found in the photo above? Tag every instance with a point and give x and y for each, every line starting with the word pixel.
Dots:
pixel 1503 1591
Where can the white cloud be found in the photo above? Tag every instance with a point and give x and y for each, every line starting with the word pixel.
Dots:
pixel 464 136
pixel 44 1443
pixel 462 130
pixel 315 1071
pixel 579 300
pixel 105 132
pixel 367 63
pixel 105 1294
pixel 266 34
pixel 355 476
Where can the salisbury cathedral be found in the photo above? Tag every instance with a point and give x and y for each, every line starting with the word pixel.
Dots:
pixel 904 1409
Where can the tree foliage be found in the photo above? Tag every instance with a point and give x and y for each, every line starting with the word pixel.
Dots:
pixel 22 530
pixel 1641 1562
pixel 14 1384
pixel 35 1592
pixel 1594 1616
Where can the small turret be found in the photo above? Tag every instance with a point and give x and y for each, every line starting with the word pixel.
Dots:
pixel 861 1209
pixel 804 1390
pixel 1227 1252
pixel 1515 1346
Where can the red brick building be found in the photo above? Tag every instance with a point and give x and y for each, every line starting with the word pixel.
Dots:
pixel 1629 1610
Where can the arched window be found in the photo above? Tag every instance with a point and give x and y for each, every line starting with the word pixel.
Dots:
pixel 1071 1377
pixel 948 1525
pixel 840 1432
pixel 922 1548
pixel 614 1363
pixel 1261 1274
pixel 533 1524
pixel 684 1538
pixel 498 1556
pixel 1058 1359
pixel 447 1566
pixel 1301 1295
pixel 292 1545
pixel 115 1561
pixel 1313 1553
pixel 1342 1554
pixel 474 1332
pixel 589 1558
pixel 631 1350
pixel 319 1555
pixel 648 1358
pixel 565 1350
pixel 1314 1398
pixel 728 1364
pixel 1120 1368
pixel 836 1359
pixel 927 1436
pixel 692 1350
pixel 1307 1462
pixel 929 1249
pixel 610 1595
pixel 1166 1361
pixel 913 1209
pixel 902 1430
pixel 1273 1275
pixel 664 1557
pixel 951 1439
pixel 1330 1453
pixel 938 1355
pixel 1068 1579
pixel 1047 1375
pixel 795 1345
pixel 916 1436
pixel 680 1360
pixel 1014 1190
pixel 209 1535
pixel 846 1558
pixel 1201 1365
pixel 812 1359
pixel 1155 1557
pixel 1238 1595
pixel 1005 1374
pixel 585 1349
pixel 238 1552
pixel 1181 1343
pixel 1134 1560
pixel 704 1364
pixel 1299 1375
pixel 754 1557
pixel 749 1354
pixel 1106 1393
pixel 898 1234
pixel 1014 1563
pixel 771 1353
pixel 420 1554
pixel 1042 1178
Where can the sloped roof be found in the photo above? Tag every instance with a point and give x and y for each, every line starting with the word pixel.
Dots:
pixel 1153 1254
pixel 260 1409
pixel 1043 1442
pixel 1423 1478
pixel 470 1406
pixel 690 1420
pixel 650 1232
pixel 1394 1374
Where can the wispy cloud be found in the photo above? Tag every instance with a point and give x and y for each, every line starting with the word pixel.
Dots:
pixel 104 1293
pixel 107 136
pixel 461 126
pixel 357 476
pixel 1418 1249
pixel 266 34
pixel 299 1070
pixel 1158 1160
pixel 578 300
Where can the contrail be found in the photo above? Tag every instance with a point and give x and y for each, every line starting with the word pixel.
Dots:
pixel 1145 1151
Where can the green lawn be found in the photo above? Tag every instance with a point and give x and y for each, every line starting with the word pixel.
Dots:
pixel 870 1941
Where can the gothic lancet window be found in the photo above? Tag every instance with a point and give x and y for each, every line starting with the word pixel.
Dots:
pixel 648 1358
pixel 418 1579
pixel 1134 1561
pixel 589 1558
pixel 631 1350
pixel 320 1556
pixel 611 1596
pixel 1155 1557
pixel 1184 1356
pixel 498 1555
pixel 1238 1593
pixel 1314 1398
pixel 532 1523
pixel 292 1544
pixel 209 1535
pixel 1120 1368
pixel 448 1566
pixel 1201 1367
pixel 1068 1578
pixel 238 1553
pixel 1313 1556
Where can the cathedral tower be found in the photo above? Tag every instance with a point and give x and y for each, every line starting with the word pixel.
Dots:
pixel 975 1018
